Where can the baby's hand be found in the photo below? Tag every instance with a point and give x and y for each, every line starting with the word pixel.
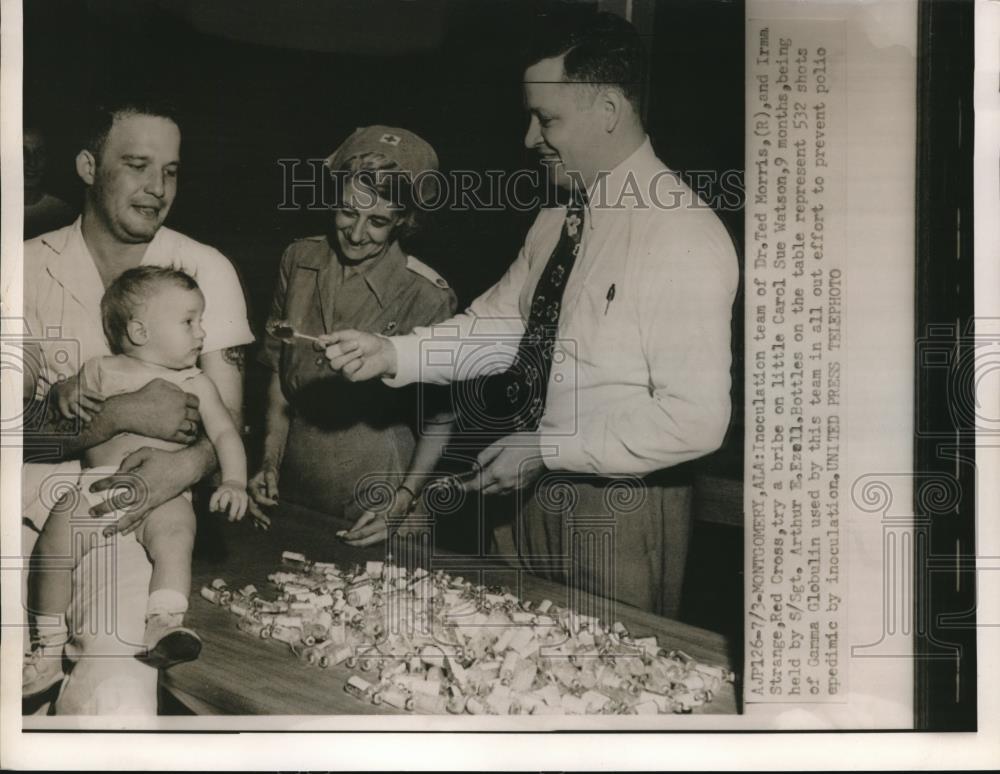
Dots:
pixel 73 401
pixel 231 496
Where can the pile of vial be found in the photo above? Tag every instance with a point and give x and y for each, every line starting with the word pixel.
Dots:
pixel 431 643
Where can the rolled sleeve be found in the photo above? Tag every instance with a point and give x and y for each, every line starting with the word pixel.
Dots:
pixel 225 318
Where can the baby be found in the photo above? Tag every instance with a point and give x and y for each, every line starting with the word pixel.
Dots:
pixel 152 320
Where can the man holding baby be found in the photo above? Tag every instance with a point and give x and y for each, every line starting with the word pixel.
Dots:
pixel 129 165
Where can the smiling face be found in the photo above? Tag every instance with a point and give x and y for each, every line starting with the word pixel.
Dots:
pixel 567 124
pixel 169 331
pixel 133 180
pixel 364 225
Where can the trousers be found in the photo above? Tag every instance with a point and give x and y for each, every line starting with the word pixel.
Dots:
pixel 621 539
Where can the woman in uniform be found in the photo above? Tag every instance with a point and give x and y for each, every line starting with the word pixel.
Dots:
pixel 354 450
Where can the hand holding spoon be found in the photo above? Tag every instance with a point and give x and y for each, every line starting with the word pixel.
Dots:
pixel 285 331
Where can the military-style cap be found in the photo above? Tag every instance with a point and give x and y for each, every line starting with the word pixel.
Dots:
pixel 410 152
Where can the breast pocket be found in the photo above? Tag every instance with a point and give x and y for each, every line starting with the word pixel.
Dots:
pixel 302 302
pixel 602 327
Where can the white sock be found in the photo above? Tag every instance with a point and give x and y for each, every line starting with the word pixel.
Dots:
pixel 166 602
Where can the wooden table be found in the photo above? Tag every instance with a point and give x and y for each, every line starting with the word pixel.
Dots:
pixel 237 674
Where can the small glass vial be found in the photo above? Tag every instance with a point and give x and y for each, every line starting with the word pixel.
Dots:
pixel 294 559
pixel 212 595
pixel 286 634
pixel 508 667
pixel 255 628
pixel 360 595
pixel 475 706
pixel 334 657
pixel 394 697
pixel 456 704
pixel 359 688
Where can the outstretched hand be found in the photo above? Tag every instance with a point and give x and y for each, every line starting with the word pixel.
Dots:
pixel 359 356
pixel 373 526
pixel 263 490
pixel 231 497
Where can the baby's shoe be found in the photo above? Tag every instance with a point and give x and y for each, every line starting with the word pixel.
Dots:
pixel 168 642
pixel 42 669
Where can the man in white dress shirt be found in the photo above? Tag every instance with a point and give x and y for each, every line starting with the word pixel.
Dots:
pixel 638 374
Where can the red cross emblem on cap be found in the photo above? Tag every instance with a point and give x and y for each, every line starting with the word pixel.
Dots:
pixel 390 139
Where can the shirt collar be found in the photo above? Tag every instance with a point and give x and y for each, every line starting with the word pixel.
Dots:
pixel 73 266
pixel 382 275
pixel 58 241
pixel 318 259
pixel 628 185
pixel 160 250
pixel 69 243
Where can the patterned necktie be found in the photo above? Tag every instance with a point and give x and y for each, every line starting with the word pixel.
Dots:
pixel 526 383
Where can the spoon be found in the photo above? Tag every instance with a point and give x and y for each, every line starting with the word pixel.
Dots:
pixel 285 331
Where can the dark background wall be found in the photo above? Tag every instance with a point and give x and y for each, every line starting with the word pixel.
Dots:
pixel 454 80
pixel 262 80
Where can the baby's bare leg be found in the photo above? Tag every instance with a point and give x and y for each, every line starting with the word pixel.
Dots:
pixel 167 534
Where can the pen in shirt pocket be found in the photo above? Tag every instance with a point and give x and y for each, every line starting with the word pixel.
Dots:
pixel 609 297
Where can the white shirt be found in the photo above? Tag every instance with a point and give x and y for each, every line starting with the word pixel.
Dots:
pixel 63 290
pixel 637 384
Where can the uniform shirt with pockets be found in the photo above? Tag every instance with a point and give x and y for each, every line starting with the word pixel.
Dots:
pixel 343 432
pixel 315 294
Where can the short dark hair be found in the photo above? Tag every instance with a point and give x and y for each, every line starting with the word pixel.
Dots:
pixel 103 114
pixel 130 291
pixel 600 48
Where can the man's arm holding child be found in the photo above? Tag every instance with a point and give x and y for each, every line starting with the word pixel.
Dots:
pixel 158 410
pixel 167 474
